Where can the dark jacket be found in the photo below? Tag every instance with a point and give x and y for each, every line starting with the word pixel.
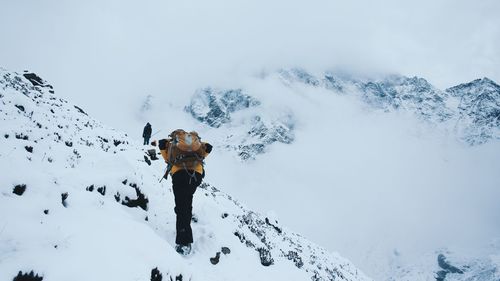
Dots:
pixel 146 133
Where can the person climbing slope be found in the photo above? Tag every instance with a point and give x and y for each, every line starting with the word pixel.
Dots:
pixel 146 133
pixel 184 154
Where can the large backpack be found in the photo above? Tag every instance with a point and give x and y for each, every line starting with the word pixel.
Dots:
pixel 185 148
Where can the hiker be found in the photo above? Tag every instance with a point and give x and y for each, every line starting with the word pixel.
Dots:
pixel 184 154
pixel 146 133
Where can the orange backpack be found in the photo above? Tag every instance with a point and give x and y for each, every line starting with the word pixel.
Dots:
pixel 185 148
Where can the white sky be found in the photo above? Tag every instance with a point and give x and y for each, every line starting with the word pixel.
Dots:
pixel 114 47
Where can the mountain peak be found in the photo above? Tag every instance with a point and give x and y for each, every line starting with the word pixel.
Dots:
pixel 477 86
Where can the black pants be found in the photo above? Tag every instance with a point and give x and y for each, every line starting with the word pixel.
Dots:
pixel 184 186
pixel 146 140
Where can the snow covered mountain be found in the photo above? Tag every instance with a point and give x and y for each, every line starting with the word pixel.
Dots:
pixel 478 118
pixel 393 92
pixel 80 202
pixel 218 108
pixel 471 109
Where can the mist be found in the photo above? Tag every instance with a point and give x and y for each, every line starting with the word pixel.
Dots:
pixel 373 186
pixel 113 49
pixel 363 183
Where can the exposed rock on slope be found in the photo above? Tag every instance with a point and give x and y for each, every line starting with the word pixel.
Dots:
pixel 81 204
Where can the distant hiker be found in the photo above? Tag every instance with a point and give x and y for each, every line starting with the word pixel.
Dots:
pixel 184 153
pixel 146 133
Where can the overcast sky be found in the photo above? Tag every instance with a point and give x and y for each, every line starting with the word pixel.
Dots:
pixel 95 52
pixel 114 48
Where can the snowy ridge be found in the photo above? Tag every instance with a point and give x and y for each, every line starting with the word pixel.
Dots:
pixel 232 110
pixel 474 116
pixel 469 110
pixel 478 110
pixel 81 203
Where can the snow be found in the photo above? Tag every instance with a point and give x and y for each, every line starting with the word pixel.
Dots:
pixel 72 222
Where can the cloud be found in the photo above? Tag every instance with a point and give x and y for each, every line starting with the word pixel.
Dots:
pixel 199 41
pixel 107 56
pixel 367 184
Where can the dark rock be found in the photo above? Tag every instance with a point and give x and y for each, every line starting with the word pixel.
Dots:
pixel 265 256
pixel 194 218
pixel 152 154
pixel 124 181
pixel 244 240
pixel 64 196
pixel 27 277
pixel 141 200
pixel 224 215
pixel 69 143
pixel 80 110
pixel 102 190
pixel 6 136
pixel 46 211
pixel 34 79
pixel 274 226
pixel 20 107
pixel 156 275
pixel 29 148
pixel 90 188
pixel 215 260
pixel 225 250
pixel 117 197
pixel 294 256
pixel 446 268
pixel 117 142
pixel 444 264
pixel 19 189
pixel 21 136
pixel 146 159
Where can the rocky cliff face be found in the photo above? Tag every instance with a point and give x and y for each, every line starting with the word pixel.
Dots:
pixel 478 117
pixel 217 108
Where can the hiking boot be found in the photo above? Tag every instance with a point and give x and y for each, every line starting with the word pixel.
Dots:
pixel 183 249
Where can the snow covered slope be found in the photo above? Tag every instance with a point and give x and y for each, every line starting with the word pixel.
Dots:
pixel 79 202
